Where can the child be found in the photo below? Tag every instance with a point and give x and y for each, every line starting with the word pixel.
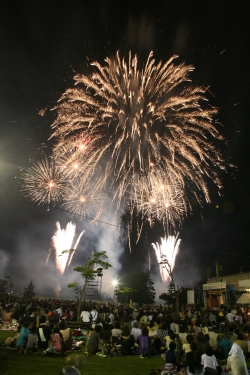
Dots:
pixel 32 340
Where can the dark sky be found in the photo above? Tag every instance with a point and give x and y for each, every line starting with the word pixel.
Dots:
pixel 42 45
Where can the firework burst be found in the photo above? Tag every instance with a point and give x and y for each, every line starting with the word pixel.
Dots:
pixel 167 250
pixel 143 135
pixel 137 118
pixel 44 182
pixel 160 197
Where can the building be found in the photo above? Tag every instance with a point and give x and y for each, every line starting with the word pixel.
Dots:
pixel 224 290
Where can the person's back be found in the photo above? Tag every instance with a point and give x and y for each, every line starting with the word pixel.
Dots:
pixel 23 336
pixel 136 331
pixel 92 345
pixel 213 339
pixel 208 360
pixel 32 338
pixel 225 344
pixel 236 363
pixel 66 335
pixel 85 315
pixel 170 360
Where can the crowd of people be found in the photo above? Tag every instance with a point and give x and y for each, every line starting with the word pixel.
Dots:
pixel 190 343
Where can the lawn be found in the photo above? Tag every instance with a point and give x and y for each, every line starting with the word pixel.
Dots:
pixel 11 363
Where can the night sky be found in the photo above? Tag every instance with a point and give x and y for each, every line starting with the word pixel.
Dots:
pixel 43 44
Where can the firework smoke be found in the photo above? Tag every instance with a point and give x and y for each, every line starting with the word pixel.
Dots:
pixel 63 240
pixel 167 250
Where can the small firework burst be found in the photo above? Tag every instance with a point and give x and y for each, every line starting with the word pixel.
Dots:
pixel 44 182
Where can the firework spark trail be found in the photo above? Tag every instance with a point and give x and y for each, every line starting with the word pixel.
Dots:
pixel 63 240
pixel 167 249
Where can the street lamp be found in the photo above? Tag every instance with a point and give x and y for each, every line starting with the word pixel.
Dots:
pixel 115 283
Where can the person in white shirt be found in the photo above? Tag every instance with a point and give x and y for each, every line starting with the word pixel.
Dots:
pixel 59 310
pixel 136 331
pixel 111 317
pixel 85 315
pixel 94 315
pixel 208 360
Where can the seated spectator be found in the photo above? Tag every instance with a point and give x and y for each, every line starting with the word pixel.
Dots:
pixel 56 342
pixel 236 363
pixel 136 331
pixel 32 339
pixel 193 360
pixel 242 343
pixel 108 325
pixel 66 335
pixel 182 335
pixel 202 344
pixel 85 315
pixel 209 362
pixel 162 333
pixel 224 346
pixel 116 332
pixel 7 316
pixel 94 338
pixel 213 338
pixel 127 341
pixel 144 342
pixel 23 337
pixel 186 346
pixel 171 337
pixel 170 361
pixel 105 333
pixel 43 334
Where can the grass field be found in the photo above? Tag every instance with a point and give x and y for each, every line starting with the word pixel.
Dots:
pixel 11 363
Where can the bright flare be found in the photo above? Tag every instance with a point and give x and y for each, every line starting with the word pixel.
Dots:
pixel 167 250
pixel 63 240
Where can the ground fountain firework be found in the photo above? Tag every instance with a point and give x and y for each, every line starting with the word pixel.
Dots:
pixel 62 242
pixel 166 253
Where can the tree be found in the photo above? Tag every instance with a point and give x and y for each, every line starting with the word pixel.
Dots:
pixel 127 291
pixel 143 286
pixel 168 297
pixel 5 286
pixel 88 273
pixel 174 290
pixel 28 292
